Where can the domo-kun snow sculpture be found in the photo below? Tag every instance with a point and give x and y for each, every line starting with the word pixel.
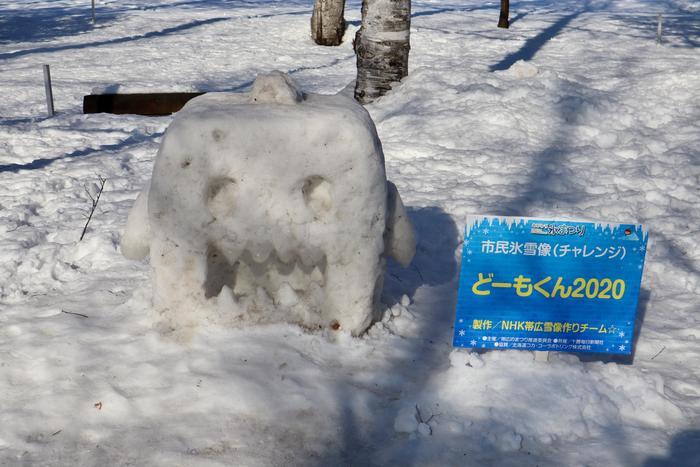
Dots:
pixel 269 206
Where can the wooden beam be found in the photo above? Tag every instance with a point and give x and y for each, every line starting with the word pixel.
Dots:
pixel 151 104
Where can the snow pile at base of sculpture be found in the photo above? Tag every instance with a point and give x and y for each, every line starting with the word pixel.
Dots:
pixel 269 206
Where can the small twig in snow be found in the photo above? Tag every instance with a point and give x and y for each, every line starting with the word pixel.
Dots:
pixel 419 273
pixel 90 194
pixel 395 277
pixel 95 199
pixel 420 416
pixel 54 434
pixel 74 313
pixel 659 352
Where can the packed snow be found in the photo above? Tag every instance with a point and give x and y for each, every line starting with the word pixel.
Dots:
pixel 576 111
pixel 269 206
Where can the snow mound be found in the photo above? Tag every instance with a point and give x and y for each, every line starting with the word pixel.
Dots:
pixel 276 88
pixel 522 69
pixel 588 399
pixel 406 420
pixel 270 206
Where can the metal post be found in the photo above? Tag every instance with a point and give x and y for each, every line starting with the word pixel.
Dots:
pixel 93 12
pixel 659 29
pixel 49 92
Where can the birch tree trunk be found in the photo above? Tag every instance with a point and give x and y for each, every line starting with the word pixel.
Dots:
pixel 503 17
pixel 328 22
pixel 382 44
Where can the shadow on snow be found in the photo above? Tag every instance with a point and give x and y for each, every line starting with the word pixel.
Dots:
pixel 46 24
pixel 683 451
pixel 132 140
pixel 420 355
pixel 534 44
pixel 118 40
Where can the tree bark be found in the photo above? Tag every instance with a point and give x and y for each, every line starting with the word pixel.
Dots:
pixel 382 44
pixel 328 22
pixel 503 18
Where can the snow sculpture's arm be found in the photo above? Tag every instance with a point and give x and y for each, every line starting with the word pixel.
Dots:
pixel 136 240
pixel 400 238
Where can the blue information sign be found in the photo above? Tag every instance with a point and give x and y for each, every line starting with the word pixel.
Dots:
pixel 531 284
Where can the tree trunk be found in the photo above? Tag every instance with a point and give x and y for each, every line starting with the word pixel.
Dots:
pixel 503 18
pixel 328 22
pixel 382 44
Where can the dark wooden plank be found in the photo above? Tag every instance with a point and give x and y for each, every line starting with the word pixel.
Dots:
pixel 151 104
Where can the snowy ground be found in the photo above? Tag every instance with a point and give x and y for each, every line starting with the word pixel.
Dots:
pixel 600 123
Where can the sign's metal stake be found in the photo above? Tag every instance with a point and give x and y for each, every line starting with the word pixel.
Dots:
pixel 659 29
pixel 93 12
pixel 49 92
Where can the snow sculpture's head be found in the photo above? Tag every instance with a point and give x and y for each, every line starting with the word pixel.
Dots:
pixel 269 206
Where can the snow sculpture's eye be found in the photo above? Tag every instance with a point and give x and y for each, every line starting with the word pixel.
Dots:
pixel 317 194
pixel 221 196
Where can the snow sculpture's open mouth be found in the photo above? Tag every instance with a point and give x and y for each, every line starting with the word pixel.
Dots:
pixel 285 279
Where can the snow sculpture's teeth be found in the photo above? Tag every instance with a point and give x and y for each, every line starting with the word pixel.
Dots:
pixel 245 281
pixel 231 250
pixel 260 251
pixel 292 276
pixel 317 275
pixel 262 271
pixel 315 293
pixel 311 257
pixel 286 296
pixel 285 255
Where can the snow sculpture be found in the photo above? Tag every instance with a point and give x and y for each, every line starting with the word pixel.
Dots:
pixel 269 206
